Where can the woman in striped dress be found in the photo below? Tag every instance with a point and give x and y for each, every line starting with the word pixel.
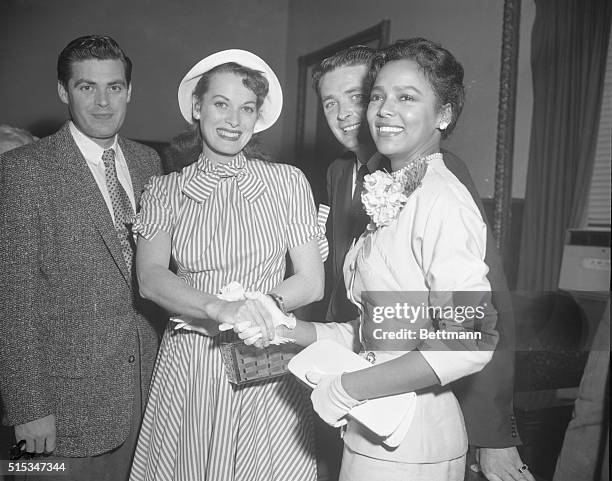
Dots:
pixel 225 218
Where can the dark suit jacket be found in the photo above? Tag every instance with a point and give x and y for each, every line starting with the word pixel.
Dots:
pixel 339 232
pixel 485 397
pixel 70 314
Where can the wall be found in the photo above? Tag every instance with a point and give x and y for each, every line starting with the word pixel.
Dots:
pixel 163 38
pixel 471 29
pixel 166 38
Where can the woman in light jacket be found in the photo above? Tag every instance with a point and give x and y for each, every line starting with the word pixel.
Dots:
pixel 417 275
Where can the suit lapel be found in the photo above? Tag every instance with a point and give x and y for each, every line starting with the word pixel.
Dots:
pixel 134 167
pixel 342 204
pixel 86 193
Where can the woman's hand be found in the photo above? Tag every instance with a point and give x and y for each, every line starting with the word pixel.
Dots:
pixel 274 320
pixel 329 399
pixel 248 315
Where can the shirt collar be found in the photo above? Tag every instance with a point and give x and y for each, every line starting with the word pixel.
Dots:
pixel 373 162
pixel 235 165
pixel 90 150
pixel 208 177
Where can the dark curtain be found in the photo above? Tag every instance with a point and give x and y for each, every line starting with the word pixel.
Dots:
pixel 568 56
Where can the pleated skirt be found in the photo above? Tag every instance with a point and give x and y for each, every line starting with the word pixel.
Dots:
pixel 198 426
pixel 357 467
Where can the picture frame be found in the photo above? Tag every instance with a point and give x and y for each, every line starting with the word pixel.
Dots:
pixel 506 118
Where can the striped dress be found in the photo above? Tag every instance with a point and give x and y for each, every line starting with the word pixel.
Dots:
pixel 230 222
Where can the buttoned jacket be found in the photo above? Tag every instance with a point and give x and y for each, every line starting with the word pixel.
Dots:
pixel 486 397
pixel 431 254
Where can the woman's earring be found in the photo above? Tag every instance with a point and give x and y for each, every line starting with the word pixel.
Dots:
pixel 443 125
pixel 196 115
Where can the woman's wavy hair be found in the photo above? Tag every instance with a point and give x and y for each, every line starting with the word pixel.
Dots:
pixel 440 67
pixel 186 147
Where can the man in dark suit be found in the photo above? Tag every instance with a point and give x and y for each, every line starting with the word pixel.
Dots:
pixel 485 397
pixel 79 345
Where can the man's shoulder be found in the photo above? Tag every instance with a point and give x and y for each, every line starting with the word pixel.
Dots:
pixel 142 158
pixel 340 163
pixel 139 148
pixel 454 163
pixel 24 156
pixel 18 153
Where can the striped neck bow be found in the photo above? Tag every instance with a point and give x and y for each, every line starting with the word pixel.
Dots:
pixel 209 176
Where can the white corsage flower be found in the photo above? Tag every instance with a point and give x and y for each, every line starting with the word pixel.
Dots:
pixel 382 198
pixel 385 194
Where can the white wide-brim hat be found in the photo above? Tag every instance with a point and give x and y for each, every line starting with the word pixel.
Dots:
pixel 273 103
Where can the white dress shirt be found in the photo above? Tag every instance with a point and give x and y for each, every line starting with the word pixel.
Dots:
pixel 92 153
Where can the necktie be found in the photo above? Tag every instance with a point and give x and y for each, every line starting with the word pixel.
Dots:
pixel 122 208
pixel 358 216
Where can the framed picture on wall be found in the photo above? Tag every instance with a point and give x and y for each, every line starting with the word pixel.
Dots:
pixel 315 145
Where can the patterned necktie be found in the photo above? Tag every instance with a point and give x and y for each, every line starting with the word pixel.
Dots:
pixel 122 208
pixel 358 216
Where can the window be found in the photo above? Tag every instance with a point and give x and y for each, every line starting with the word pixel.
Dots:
pixel 598 212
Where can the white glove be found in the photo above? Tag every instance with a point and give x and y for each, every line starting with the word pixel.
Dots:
pixel 251 334
pixel 248 332
pixel 234 291
pixel 208 327
pixel 329 399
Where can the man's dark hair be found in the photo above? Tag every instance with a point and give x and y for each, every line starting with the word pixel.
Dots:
pixel 98 47
pixel 349 57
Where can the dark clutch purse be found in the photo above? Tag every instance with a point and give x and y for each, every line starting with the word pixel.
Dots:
pixel 245 364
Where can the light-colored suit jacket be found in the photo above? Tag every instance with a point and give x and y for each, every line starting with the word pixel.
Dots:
pixel 486 397
pixel 70 313
pixel 431 254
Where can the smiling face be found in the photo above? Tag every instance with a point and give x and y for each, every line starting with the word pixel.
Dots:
pixel 404 113
pixel 227 113
pixel 343 99
pixel 97 95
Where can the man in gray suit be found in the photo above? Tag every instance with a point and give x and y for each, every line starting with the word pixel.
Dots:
pixel 78 344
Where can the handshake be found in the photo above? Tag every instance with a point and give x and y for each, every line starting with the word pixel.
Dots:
pixel 254 316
